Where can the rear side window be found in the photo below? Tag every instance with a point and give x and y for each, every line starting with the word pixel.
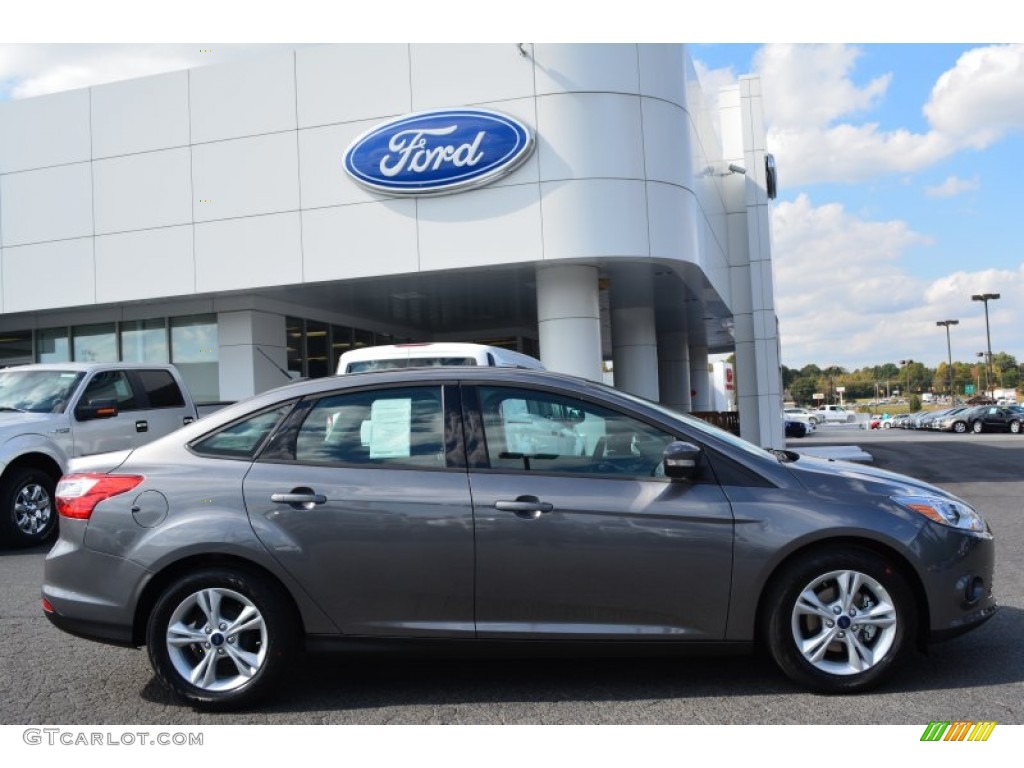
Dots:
pixel 391 427
pixel 162 389
pixel 244 438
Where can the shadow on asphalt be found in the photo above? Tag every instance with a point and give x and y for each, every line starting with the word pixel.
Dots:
pixel 990 655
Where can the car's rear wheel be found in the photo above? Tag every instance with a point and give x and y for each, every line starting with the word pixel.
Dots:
pixel 838 620
pixel 959 427
pixel 29 516
pixel 977 427
pixel 850 419
pixel 1015 427
pixel 221 639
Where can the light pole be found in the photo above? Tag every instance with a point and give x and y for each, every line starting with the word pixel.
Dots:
pixel 949 349
pixel 906 364
pixel 984 364
pixel 987 297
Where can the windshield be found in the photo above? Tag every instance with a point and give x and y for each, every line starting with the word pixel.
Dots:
pixel 37 391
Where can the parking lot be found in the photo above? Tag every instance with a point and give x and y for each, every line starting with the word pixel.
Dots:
pixel 48 677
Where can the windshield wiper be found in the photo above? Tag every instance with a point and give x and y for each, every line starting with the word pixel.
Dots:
pixel 9 408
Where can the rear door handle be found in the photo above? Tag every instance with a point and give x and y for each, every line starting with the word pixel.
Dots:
pixel 529 507
pixel 141 426
pixel 299 498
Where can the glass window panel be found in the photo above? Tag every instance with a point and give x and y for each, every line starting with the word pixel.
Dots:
pixel 54 345
pixel 144 341
pixel 194 352
pixel 94 343
pixel 242 439
pixel 111 385
pixel 295 338
pixel 15 348
pixel 317 356
pixel 341 342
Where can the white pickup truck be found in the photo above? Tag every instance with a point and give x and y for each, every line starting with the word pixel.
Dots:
pixel 834 414
pixel 50 413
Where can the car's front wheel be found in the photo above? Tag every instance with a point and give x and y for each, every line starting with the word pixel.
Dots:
pixel 838 620
pixel 28 515
pixel 221 639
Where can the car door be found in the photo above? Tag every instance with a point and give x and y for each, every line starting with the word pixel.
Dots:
pixel 364 499
pixel 577 533
pixel 114 433
pixel 165 409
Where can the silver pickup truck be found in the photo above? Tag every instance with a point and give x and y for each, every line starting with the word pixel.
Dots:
pixel 51 413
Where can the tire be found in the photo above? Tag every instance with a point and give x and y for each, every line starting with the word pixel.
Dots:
pixel 886 425
pixel 847 657
pixel 194 617
pixel 29 516
pixel 977 427
pixel 1015 427
pixel 850 419
pixel 959 427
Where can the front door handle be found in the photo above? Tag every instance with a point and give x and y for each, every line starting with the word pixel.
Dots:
pixel 299 498
pixel 528 507
pixel 141 426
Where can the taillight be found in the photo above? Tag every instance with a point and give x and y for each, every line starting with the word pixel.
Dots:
pixel 78 495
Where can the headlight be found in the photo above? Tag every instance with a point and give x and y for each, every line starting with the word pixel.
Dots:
pixel 951 512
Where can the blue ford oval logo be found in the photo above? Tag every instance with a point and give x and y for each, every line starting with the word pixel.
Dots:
pixel 438 152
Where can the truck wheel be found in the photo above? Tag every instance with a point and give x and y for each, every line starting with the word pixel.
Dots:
pixel 28 515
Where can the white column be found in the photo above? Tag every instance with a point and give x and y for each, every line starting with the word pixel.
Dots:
pixel 674 370
pixel 635 350
pixel 244 368
pixel 569 320
pixel 700 379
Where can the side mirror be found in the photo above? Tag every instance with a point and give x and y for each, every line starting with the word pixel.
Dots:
pixel 681 460
pixel 96 409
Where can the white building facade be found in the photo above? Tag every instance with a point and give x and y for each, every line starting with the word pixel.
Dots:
pixel 206 218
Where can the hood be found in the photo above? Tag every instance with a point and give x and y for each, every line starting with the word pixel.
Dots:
pixel 836 476
pixel 20 422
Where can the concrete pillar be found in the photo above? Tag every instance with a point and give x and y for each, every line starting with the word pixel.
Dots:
pixel 569 320
pixel 674 370
pixel 700 379
pixel 247 338
pixel 634 333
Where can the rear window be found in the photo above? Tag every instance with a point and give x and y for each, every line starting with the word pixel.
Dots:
pixel 405 362
pixel 162 389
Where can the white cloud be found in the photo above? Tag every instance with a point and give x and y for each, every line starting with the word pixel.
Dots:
pixel 981 99
pixel 843 295
pixel 812 104
pixel 953 186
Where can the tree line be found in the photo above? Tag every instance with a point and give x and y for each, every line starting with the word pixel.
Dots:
pixel 912 378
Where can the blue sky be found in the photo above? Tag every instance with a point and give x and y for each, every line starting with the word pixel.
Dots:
pixel 897 161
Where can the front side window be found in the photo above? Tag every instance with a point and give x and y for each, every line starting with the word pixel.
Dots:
pixel 399 427
pixel 545 432
pixel 111 385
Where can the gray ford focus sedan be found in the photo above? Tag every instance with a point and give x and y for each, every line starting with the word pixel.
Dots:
pixel 490 510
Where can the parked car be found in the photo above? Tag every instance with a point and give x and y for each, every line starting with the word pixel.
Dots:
pixel 996 418
pixel 50 413
pixel 428 354
pixel 835 414
pixel 497 507
pixel 803 414
pixel 795 428
pixel 954 420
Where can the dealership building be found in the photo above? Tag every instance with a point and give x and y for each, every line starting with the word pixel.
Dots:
pixel 250 221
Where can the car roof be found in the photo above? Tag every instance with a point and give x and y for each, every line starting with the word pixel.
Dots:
pixel 86 367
